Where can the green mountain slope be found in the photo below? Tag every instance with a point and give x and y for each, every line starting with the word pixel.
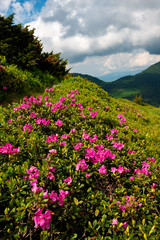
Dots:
pixel 146 84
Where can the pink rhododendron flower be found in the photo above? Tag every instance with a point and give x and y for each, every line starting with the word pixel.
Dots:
pixel 33 172
pixel 32 115
pixel 68 180
pixel 61 197
pixel 131 178
pixel 153 185
pixel 63 143
pixel 53 196
pixel 93 114
pixel 151 159
pixel 87 175
pixel 51 176
pixel 135 130
pixel 4 88
pixel 89 108
pixel 118 145
pixel 82 115
pixel 131 152
pixel 125 224
pixel 9 149
pixel 52 138
pixel 85 136
pixel 102 170
pixel 28 127
pixel 77 146
pixel 73 130
pixel 114 131
pixel 122 208
pixel 109 137
pixel 45 194
pixel 120 116
pixel 114 221
pixel 107 107
pixel 94 139
pixel 59 123
pixel 42 219
pixel 53 151
pixel 81 165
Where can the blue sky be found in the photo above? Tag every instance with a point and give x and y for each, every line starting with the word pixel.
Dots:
pixel 106 38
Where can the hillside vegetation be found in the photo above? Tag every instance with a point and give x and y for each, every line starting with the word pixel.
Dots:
pixel 78 164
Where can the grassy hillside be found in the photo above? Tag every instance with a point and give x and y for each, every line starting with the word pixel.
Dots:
pixel 78 164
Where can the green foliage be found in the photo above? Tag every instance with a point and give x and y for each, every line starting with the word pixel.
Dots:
pixel 138 100
pixel 18 44
pixel 22 48
pixel 94 200
pixel 55 65
pixel 22 82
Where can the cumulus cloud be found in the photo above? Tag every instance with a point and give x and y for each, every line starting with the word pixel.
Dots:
pixel 4 6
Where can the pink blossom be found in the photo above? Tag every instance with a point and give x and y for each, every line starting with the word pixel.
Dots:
pixel 68 180
pixel 120 116
pixel 94 139
pixel 9 148
pixel 45 194
pixel 4 88
pixel 73 130
pixel 118 145
pixel 114 131
pixel 122 208
pixel 38 120
pixel 109 137
pixel 125 224
pixel 52 138
pixel 63 143
pixel 82 115
pixel 89 108
pixel 87 175
pixel 107 107
pixel 151 160
pixel 59 123
pixel 153 185
pixel 93 114
pixel 135 130
pixel 62 99
pixel 85 136
pixel 131 178
pixel 77 146
pixel 102 170
pixel 42 219
pixel 51 176
pixel 53 196
pixel 32 115
pixel 33 172
pixel 81 165
pixel 61 197
pixel 114 221
pixel 53 151
pixel 52 169
pixel 28 127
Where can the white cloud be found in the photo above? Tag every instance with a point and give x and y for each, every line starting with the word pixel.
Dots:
pixel 4 6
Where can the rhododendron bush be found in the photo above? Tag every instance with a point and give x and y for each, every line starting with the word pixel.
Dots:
pixel 75 164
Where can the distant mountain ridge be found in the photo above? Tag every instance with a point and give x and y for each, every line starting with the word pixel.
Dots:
pixel 146 84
